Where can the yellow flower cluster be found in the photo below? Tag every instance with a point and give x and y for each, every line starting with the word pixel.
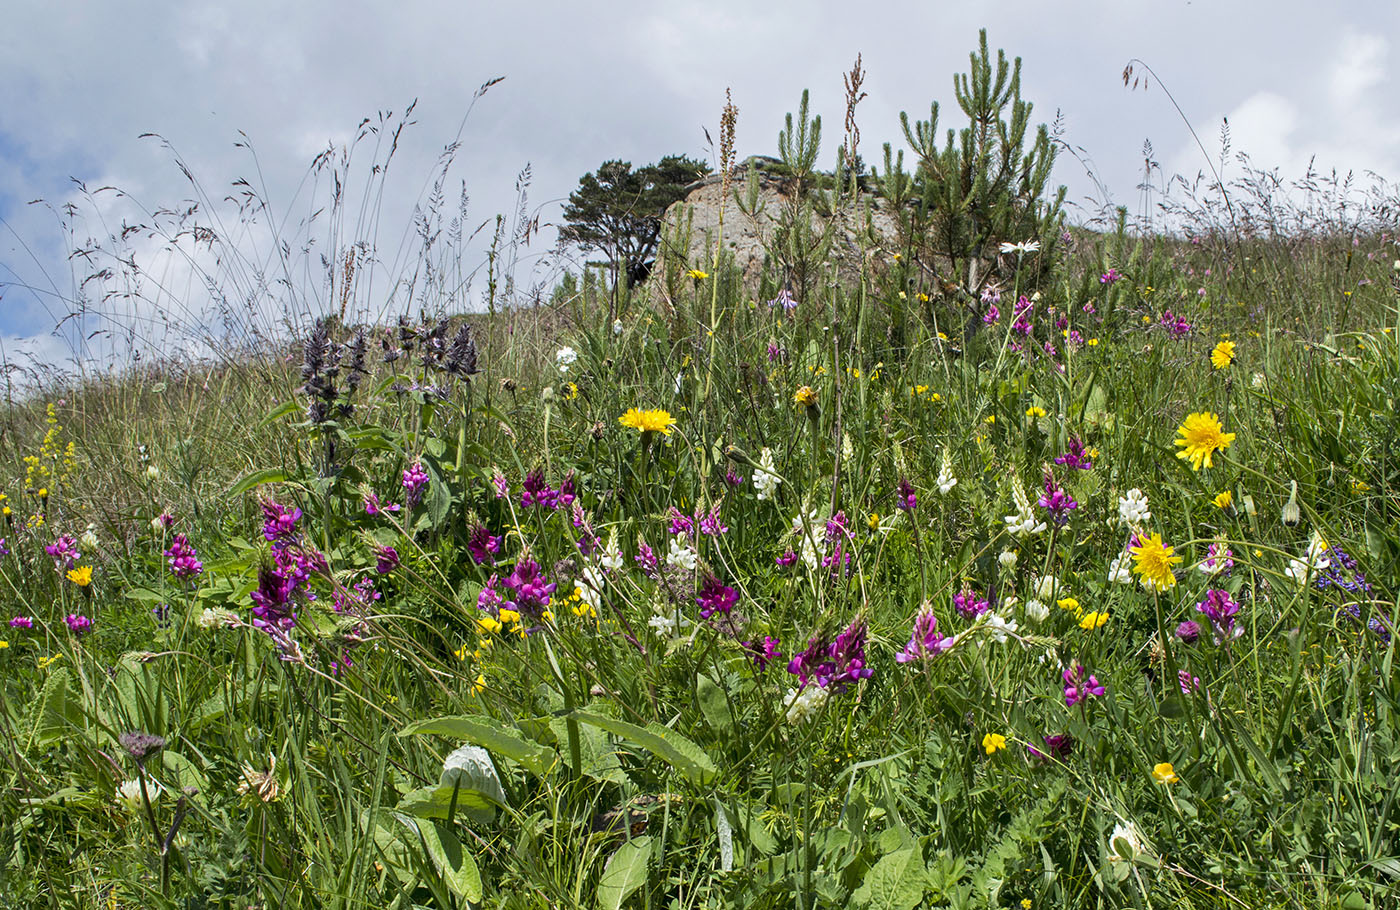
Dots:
pixel 648 421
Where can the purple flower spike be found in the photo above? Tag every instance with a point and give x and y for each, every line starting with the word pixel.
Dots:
pixel 715 597
pixel 184 561
pixel 415 481
pixel 924 641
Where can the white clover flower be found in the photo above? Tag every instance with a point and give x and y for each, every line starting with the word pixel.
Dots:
pixel 1047 587
pixel 946 481
pixel 128 795
pixel 152 473
pixel 765 478
pixel 1007 559
pixel 1037 610
pixel 617 326
pixel 1126 843
pixel 681 555
pixel 1257 381
pixel 801 706
pixel 216 617
pixel 89 539
pixel 1132 509
pixel 564 358
pixel 999 627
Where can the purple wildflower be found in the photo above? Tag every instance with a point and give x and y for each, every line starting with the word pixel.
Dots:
pixel 784 300
pixel 1176 326
pixel 272 599
pixel 764 654
pixel 490 600
pixel 992 315
pixel 905 497
pixel 78 624
pixel 991 295
pixel 646 559
pixel 374 507
pixel 538 493
pixel 787 559
pixel 1109 277
pixel 848 657
pixel 1188 631
pixel 1056 501
pixel 530 588
pixel 970 603
pixel 924 641
pixel 415 481
pixel 1060 746
pixel 681 523
pixel 64 551
pixel 22 622
pixel 482 546
pixel 4 547
pixel 710 523
pixel 838 526
pixel 566 494
pixel 731 477
pixel 502 487
pixel 1188 682
pixel 1220 609
pixel 184 561
pixel 715 597
pixel 1077 688
pixel 280 523
pixel 386 560
pixel 1076 456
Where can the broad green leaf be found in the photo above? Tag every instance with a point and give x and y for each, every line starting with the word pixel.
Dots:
pixel 291 406
pixel 256 479
pixel 896 882
pixel 433 802
pixel 489 734
pixel 668 745
pixel 625 872
pixel 713 703
pixel 455 865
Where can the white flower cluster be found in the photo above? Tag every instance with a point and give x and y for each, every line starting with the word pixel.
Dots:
pixel 1313 561
pixel 1132 509
pixel 564 358
pixel 998 627
pixel 217 617
pixel 1120 570
pixel 802 705
pixel 667 624
pixel 681 555
pixel 946 481
pixel 590 587
pixel 765 477
pixel 1023 522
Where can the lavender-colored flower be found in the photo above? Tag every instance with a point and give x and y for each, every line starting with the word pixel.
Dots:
pixel 482 546
pixel 64 551
pixel 924 641
pixel 905 497
pixel 184 561
pixel 21 622
pixel 838 526
pixel 1109 277
pixel 731 477
pixel 280 523
pixel 1218 560
pixel 715 597
pixel 992 315
pixel 1188 631
pixel 1176 326
pixel 490 600
pixel 647 560
pixel 531 590
pixel 415 481
pixel 784 300
pixel 1220 609
pixel 991 294
pixel 501 485
pixel 1077 687
pixel 763 654
pixel 1076 456
pixel 386 560
pixel 140 746
pixel 1341 573
pixel 710 524
pixel 1188 682
pixel 1056 501
pixel 356 599
pixel 4 547
pixel 78 624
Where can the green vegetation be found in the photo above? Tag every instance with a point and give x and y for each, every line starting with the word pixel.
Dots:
pixel 1070 584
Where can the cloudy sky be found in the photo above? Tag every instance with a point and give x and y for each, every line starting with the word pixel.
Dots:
pixel 81 81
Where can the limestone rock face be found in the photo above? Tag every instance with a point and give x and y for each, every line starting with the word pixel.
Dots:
pixel 746 236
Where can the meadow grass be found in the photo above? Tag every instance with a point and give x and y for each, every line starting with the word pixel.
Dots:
pixel 891 596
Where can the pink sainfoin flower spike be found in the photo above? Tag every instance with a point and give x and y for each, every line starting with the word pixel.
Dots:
pixel 78 624
pixel 415 481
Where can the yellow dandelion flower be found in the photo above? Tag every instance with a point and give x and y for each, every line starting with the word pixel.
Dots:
pixel 698 274
pixel 1200 437
pixel 1222 355
pixel 648 421
pixel 1034 412
pixel 873 521
pixel 1224 500
pixel 993 742
pixel 805 396
pixel 1153 561
pixel 1164 773
pixel 81 576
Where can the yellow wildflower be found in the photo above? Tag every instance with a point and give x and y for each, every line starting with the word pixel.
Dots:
pixel 805 396
pixel 81 576
pixel 1201 437
pixel 1222 355
pixel 992 742
pixel 1164 773
pixel 1153 561
pixel 648 421
pixel 1092 621
pixel 1033 412
pixel 698 274
pixel 1224 500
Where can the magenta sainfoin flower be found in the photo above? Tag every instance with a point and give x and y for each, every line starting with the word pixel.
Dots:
pixel 1078 687
pixel 536 492
pixel 356 599
pixel 970 603
pixel 1188 682
pixel 4 547
pixel 386 560
pixel 1060 745
pixel 272 599
pixel 681 523
pixel 992 314
pixel 78 624
pixel 1188 631
pixel 490 599
pixel 1110 276
pixel 64 551
pixel 838 526
pixel 1056 500
pixel 1220 609
pixel 731 477
pixel 715 597
pixel 374 507
pixel 566 493
pixel 184 561
pixel 763 654
pixel 833 665
pixel 924 641
pixel 500 484
pixel 710 524
pixel 531 590
pixel 1076 456
pixel 22 622
pixel 1176 326
pixel 280 524
pixel 788 558
pixel 482 546
pixel 1024 309
pixel 647 560
pixel 415 481
pixel 905 497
